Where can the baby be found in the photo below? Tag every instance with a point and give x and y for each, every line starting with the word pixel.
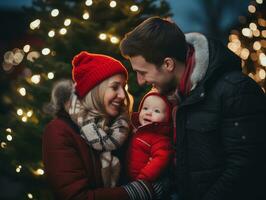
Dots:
pixel 150 151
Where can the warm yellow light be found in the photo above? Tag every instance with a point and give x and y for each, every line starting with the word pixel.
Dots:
pixel 29 113
pixel 40 172
pixel 18 169
pixel 3 145
pixel 30 196
pixel 253 26
pixel 19 112
pixel 114 40
pixel 26 48
pixel 263 33
pixel 22 91
pixel 50 75
pixel 102 36
pixel 256 45
pixel 8 130
pixel 262 58
pixel 86 15
pixel 51 33
pixel 112 4
pixel 24 119
pixel 233 37
pixel 35 24
pixel 67 22
pixel 9 137
pixel 251 8
pixel 55 12
pixel 134 8
pixel 234 45
pixel 63 31
pixel 36 78
pixel 247 32
pixel 259 1
pixel 256 33
pixel 46 51
pixel 262 74
pixel 88 3
pixel 262 22
pixel 244 53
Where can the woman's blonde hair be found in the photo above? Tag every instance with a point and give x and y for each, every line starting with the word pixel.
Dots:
pixel 92 104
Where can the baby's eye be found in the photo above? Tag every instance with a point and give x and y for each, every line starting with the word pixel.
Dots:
pixel 145 108
pixel 157 111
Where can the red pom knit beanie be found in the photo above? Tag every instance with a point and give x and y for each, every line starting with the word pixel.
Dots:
pixel 91 69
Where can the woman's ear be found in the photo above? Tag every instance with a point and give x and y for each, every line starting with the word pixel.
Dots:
pixel 169 64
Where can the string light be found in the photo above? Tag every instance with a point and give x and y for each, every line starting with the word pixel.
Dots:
pixel 263 33
pixel 35 24
pixel 134 8
pixel 36 78
pixel 102 36
pixel 114 40
pixel 51 33
pixel 8 130
pixel 40 172
pixel 3 145
pixel 9 137
pixel 55 12
pixel 244 53
pixel 22 91
pixel 251 9
pixel 33 56
pixel 112 4
pixel 256 33
pixel 262 58
pixel 67 22
pixel 29 113
pixel 18 169
pixel 262 74
pixel 259 1
pixel 63 31
pixel 86 16
pixel 256 46
pixel 19 112
pixel 46 51
pixel 50 75
pixel 247 32
pixel 26 48
pixel 88 3
pixel 24 119
pixel 253 26
pixel 30 196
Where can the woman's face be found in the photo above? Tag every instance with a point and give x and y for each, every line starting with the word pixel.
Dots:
pixel 114 95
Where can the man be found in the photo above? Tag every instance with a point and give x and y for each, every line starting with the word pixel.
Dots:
pixel 219 123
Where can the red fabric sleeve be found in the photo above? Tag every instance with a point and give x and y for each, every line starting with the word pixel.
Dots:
pixel 161 155
pixel 65 170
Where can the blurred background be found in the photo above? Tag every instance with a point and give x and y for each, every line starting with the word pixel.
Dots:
pixel 38 39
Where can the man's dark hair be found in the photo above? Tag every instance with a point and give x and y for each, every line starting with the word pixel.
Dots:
pixel 155 39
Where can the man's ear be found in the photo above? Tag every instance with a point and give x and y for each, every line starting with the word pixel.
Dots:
pixel 169 64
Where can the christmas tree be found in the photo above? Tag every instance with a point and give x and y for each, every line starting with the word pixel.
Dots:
pixel 58 30
pixel 249 43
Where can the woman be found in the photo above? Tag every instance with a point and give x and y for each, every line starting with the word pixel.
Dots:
pixel 83 144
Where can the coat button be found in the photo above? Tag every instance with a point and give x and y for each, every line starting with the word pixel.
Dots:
pixel 243 137
pixel 202 94
pixel 236 123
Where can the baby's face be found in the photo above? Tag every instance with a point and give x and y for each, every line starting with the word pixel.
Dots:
pixel 153 110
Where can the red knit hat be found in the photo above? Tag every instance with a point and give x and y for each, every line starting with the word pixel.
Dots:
pixel 91 69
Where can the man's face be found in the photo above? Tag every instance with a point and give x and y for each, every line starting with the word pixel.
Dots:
pixel 161 78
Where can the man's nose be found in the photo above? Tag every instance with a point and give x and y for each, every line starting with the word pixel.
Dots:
pixel 141 80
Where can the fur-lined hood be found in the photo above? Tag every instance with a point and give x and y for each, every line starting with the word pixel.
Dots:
pixel 212 58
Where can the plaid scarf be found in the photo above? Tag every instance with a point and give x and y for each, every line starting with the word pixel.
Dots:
pixel 101 140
